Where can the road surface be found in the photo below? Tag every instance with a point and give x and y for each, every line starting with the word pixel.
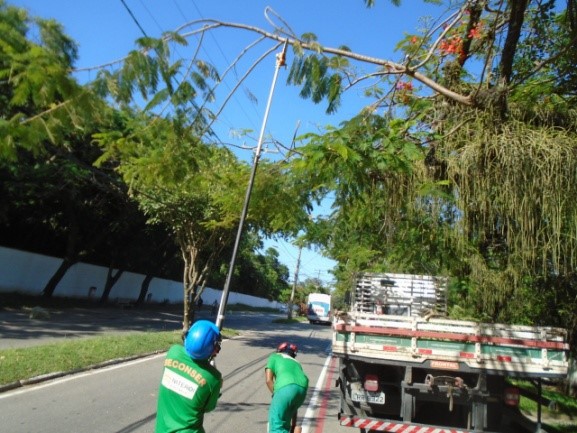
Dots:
pixel 122 398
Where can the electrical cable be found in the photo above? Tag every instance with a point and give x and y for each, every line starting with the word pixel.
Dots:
pixel 134 18
pixel 241 106
pixel 210 131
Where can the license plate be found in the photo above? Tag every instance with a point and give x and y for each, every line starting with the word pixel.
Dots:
pixel 368 397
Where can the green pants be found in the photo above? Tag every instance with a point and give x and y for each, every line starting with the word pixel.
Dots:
pixel 285 403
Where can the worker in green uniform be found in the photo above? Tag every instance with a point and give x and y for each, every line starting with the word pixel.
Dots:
pixel 190 385
pixel 288 384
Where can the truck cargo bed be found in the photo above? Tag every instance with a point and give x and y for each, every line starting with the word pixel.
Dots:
pixel 512 350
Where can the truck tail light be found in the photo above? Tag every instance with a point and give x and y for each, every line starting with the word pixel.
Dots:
pixel 511 396
pixel 371 382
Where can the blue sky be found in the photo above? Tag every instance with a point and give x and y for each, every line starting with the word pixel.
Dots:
pixel 105 31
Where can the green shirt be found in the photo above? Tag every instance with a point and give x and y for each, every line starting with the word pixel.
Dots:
pixel 188 389
pixel 286 370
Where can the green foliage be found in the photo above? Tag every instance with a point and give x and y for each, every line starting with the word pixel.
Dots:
pixel 478 193
pixel 312 72
pixel 179 182
pixel 197 190
pixel 366 148
pixel 281 200
pixel 256 273
pixel 303 289
pixel 553 31
pixel 42 103
pixel 192 187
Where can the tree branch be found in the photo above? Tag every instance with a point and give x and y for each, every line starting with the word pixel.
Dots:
pixel 389 67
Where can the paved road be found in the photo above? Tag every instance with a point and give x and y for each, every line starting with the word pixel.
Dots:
pixel 122 398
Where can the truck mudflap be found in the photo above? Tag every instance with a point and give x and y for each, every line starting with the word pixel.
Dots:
pixel 373 424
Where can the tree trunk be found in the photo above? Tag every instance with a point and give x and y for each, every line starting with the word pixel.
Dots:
pixel 518 9
pixel 189 254
pixel 110 282
pixel 71 257
pixel 188 310
pixel 144 289
pixel 66 264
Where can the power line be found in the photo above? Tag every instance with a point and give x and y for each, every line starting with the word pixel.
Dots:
pixel 151 16
pixel 227 62
pixel 207 54
pixel 134 18
pixel 210 131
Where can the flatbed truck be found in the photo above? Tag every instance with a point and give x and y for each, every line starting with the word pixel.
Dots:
pixel 402 368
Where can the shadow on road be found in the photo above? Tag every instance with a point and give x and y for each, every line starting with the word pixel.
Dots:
pixel 17 329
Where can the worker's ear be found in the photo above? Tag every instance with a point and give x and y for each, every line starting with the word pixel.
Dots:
pixel 217 345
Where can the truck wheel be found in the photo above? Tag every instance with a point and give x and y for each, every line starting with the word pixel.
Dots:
pixel 347 405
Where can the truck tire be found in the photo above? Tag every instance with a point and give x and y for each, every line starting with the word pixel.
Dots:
pixel 348 406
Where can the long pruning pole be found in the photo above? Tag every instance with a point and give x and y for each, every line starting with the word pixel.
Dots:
pixel 280 61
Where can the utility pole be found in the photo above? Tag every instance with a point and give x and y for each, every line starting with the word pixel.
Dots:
pixel 290 303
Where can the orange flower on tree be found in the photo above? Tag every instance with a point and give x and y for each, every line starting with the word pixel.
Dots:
pixel 452 45
pixel 406 86
pixel 405 89
pixel 476 32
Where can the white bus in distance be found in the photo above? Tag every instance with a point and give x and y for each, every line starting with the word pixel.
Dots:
pixel 319 308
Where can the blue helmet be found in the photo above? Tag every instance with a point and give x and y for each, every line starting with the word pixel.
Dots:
pixel 202 340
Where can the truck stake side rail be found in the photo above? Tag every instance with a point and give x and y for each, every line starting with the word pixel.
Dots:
pixel 508 348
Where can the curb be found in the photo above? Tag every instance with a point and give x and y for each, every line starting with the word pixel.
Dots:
pixel 51 376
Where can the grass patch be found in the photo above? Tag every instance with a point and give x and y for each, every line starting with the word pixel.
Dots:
pixel 293 320
pixel 559 402
pixel 71 355
pixel 561 428
pixel 558 412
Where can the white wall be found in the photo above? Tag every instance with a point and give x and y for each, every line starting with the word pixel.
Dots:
pixel 28 273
